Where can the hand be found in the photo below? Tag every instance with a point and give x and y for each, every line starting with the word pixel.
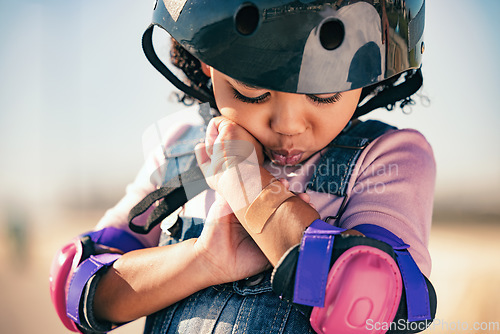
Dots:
pixel 303 196
pixel 226 248
pixel 227 145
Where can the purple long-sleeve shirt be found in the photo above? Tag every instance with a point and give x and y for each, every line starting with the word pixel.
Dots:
pixel 392 185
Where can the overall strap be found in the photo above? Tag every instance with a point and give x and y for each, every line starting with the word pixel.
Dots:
pixel 180 177
pixel 335 167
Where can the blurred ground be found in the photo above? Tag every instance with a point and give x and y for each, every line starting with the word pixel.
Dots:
pixel 465 272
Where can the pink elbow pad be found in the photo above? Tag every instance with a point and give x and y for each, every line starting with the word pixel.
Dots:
pixel 74 264
pixel 348 283
pixel 63 265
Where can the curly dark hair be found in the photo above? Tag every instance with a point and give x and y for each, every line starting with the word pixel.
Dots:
pixel 383 94
pixel 191 67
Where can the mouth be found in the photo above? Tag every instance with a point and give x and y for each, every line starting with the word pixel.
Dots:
pixel 284 157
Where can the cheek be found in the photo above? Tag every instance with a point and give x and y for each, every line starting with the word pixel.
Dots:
pixel 326 129
pixel 244 117
pixel 237 115
pixel 325 132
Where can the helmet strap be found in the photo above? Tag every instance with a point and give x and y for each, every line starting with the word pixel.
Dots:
pixel 149 51
pixel 389 96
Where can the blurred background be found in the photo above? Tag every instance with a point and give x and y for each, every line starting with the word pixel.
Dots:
pixel 76 94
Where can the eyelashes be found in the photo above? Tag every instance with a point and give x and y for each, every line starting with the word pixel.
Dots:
pixel 259 99
pixel 325 100
pixel 262 98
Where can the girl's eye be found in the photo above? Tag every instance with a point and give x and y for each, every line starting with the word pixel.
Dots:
pixel 325 100
pixel 259 99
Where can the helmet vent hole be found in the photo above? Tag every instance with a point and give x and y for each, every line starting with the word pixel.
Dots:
pixel 331 34
pixel 247 19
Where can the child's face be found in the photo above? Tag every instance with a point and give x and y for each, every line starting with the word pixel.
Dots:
pixel 290 127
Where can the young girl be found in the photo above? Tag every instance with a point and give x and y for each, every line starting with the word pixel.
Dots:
pixel 314 220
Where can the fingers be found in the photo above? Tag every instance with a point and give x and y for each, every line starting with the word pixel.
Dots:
pixel 211 135
pixel 213 130
pixel 201 154
pixel 353 233
pixel 285 183
pixel 303 196
pixel 102 249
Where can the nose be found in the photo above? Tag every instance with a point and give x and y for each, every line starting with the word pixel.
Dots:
pixel 288 119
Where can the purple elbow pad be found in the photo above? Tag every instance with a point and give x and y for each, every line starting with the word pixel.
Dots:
pixel 116 238
pixel 314 263
pixel 110 237
pixel 82 274
pixel 75 263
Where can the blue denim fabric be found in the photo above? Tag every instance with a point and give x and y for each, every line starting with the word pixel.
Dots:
pixel 180 156
pixel 238 307
pixel 335 167
pixel 248 306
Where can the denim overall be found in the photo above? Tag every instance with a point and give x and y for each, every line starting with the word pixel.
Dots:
pixel 249 305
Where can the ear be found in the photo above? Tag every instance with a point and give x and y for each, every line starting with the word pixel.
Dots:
pixel 206 69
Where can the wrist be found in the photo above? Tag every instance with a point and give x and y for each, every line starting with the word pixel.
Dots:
pixel 285 228
pixel 205 266
pixel 242 184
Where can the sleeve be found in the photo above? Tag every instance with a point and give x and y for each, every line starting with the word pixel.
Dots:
pixel 392 186
pixel 143 184
pixel 116 218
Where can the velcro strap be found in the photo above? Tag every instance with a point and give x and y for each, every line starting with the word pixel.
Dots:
pixel 314 263
pixel 82 274
pixel 417 294
pixel 380 233
pixel 116 238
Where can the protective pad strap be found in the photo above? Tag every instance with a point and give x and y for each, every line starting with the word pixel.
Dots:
pixel 116 238
pixel 314 263
pixel 417 294
pixel 82 274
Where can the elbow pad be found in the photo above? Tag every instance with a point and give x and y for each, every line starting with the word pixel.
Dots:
pixel 355 284
pixel 76 262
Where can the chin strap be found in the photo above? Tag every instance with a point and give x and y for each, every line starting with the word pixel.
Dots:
pixel 149 51
pixel 388 96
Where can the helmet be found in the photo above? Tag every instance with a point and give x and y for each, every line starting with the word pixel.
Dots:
pixel 295 46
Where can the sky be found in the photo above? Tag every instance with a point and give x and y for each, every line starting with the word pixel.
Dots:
pixel 76 94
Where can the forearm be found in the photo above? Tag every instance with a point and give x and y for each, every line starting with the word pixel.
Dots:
pixel 284 227
pixel 148 280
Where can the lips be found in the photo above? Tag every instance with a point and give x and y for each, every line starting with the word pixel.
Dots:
pixel 284 157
